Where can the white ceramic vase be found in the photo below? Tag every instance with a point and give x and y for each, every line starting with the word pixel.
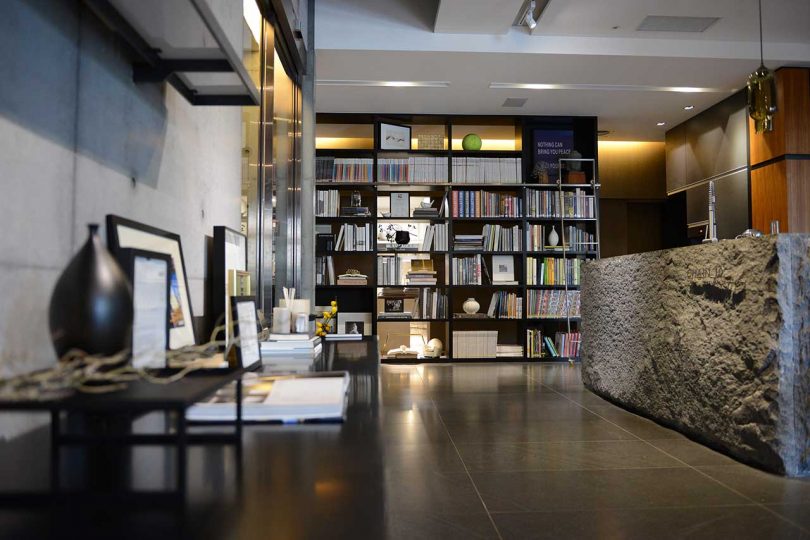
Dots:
pixel 553 237
pixel 470 306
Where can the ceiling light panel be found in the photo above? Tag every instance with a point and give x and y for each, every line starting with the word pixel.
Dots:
pixel 663 23
pixel 608 87
pixel 394 84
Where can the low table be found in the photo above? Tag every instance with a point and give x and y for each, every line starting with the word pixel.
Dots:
pixel 138 398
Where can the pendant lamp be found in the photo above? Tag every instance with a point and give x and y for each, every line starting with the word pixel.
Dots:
pixel 761 91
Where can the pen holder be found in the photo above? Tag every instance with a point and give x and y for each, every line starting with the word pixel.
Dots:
pixel 281 320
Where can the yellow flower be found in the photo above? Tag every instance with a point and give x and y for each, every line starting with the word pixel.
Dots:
pixel 334 303
pixel 325 314
pixel 334 310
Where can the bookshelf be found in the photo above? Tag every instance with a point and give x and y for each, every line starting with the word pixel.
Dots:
pixel 514 143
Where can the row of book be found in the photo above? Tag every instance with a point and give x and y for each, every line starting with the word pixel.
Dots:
pixel 330 169
pixel 552 304
pixel 473 170
pixel 435 238
pixel 430 304
pixel 485 204
pixel 420 276
pixel 389 270
pixel 467 270
pixel 475 343
pixel 573 237
pixel 324 270
pixel 492 238
pixel 355 238
pixel 545 203
pixel 505 305
pixel 412 170
pixel 327 203
pixel 553 271
pixel 565 344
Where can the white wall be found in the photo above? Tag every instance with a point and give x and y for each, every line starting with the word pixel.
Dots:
pixel 79 140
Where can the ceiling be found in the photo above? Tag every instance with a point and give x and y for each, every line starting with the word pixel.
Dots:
pixel 616 74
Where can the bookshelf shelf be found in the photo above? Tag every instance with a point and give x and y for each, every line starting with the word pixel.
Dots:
pixel 371 164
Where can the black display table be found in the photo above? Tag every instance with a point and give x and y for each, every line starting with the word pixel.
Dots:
pixel 138 398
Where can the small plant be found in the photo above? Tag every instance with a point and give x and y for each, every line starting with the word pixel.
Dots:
pixel 324 326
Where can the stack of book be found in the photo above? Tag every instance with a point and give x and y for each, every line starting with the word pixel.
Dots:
pixel 422 212
pixel 475 343
pixel 420 277
pixel 468 242
pixel 290 349
pixel 354 211
pixel 509 351
pixel 352 279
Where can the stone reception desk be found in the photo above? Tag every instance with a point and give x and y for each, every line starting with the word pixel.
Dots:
pixel 712 340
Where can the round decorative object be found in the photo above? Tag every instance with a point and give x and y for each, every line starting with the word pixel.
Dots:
pixel 470 306
pixel 434 348
pixel 471 142
pixel 402 237
pixel 91 305
pixel 553 237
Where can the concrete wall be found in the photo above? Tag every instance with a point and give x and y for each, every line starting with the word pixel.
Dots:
pixel 79 140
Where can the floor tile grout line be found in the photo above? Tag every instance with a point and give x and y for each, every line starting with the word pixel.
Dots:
pixel 715 480
pixel 466 471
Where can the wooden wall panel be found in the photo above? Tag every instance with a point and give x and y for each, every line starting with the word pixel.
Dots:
pixel 632 170
pixel 798 195
pixel 769 197
pixel 791 123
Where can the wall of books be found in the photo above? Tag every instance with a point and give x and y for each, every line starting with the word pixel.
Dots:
pixel 453 253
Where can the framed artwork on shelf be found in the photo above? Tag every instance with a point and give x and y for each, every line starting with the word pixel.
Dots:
pixel 395 137
pixel 148 272
pixel 503 269
pixel 229 275
pixel 245 329
pixel 126 233
pixel 394 305
pixel 354 323
pixel 548 146
pixel 400 205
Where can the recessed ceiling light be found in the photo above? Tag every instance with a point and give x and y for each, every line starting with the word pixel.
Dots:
pixel 396 84
pixel 609 87
pixel 689 107
pixel 661 124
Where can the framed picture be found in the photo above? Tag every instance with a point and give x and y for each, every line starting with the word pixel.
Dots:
pixel 245 328
pixel 548 146
pixel 394 137
pixel 148 272
pixel 394 305
pixel 125 233
pixel 354 323
pixel 229 274
pixel 503 268
pixel 400 205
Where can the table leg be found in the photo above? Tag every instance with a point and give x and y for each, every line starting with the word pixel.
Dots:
pixel 182 450
pixel 55 451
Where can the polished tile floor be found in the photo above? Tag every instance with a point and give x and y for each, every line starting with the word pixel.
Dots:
pixel 462 451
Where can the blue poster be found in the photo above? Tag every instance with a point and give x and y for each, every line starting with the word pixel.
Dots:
pixel 549 147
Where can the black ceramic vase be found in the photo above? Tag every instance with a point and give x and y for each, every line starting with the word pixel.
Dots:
pixel 91 305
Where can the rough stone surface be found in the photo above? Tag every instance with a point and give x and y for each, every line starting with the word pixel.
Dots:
pixel 713 340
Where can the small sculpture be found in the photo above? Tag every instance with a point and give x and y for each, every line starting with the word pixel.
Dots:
pixel 553 237
pixel 471 306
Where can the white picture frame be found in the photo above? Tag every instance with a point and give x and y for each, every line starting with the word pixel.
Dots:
pixel 400 204
pixel 361 322
pixel 394 137
pixel 503 268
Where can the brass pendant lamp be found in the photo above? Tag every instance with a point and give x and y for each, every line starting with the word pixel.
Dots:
pixel 761 91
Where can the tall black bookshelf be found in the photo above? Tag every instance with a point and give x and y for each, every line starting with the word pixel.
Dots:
pixel 511 331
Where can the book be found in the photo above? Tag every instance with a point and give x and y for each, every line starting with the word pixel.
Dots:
pixel 343 337
pixel 286 398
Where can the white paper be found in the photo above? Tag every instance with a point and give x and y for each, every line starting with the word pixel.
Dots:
pixel 150 302
pixel 248 334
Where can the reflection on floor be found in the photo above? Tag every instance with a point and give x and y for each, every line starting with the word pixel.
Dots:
pixel 468 451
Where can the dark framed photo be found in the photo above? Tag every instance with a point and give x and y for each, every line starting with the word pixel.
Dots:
pixel 149 273
pixel 126 233
pixel 229 274
pixel 246 331
pixel 395 137
pixel 394 305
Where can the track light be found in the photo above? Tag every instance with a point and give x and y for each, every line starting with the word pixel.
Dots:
pixel 529 17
